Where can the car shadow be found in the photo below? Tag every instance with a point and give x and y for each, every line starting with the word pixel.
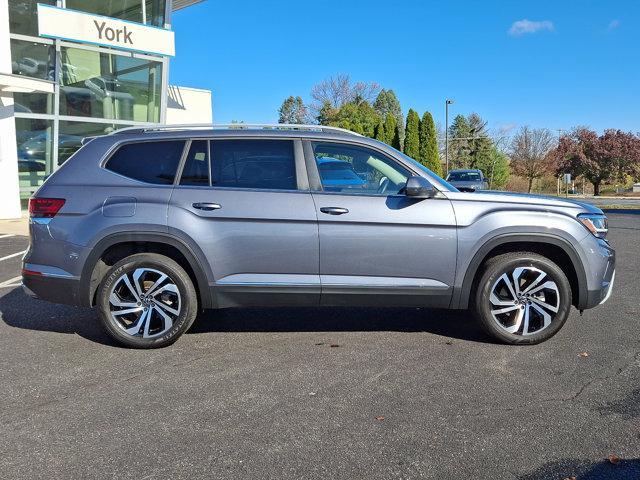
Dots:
pixel 619 469
pixel 20 311
pixel 447 323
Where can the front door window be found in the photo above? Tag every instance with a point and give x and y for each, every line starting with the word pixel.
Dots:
pixel 358 170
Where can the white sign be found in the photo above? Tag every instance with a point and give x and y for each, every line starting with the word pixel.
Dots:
pixel 54 22
pixel 567 178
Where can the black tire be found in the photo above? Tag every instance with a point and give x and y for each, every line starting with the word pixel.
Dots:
pixel 507 263
pixel 187 301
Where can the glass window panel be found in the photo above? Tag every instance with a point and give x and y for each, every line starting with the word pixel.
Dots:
pixel 32 59
pixel 33 103
pixel 96 84
pixel 150 162
pixel 155 12
pixel 34 139
pixel 23 16
pixel 71 134
pixel 123 9
pixel 196 167
pixel 266 164
pixel 358 170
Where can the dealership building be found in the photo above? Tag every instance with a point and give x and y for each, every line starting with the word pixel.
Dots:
pixel 71 69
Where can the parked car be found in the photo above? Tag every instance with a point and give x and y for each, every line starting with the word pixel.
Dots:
pixel 468 180
pixel 178 220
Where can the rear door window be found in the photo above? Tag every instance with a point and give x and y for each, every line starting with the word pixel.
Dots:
pixel 149 162
pixel 255 164
pixel 196 167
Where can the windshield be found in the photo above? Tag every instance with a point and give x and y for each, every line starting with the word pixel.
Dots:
pixel 464 177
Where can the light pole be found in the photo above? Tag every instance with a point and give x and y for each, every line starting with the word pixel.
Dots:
pixel 446 134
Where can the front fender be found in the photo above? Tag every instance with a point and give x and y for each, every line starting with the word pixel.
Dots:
pixel 477 240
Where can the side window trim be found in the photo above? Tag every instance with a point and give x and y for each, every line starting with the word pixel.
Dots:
pixel 302 179
pixel 315 184
pixel 183 160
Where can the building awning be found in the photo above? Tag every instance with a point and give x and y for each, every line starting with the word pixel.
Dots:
pixel 178 4
pixel 10 82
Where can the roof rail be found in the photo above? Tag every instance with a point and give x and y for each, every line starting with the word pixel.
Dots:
pixel 234 126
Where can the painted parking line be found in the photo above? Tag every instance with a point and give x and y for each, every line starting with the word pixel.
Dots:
pixel 12 282
pixel 13 255
pixel 7 235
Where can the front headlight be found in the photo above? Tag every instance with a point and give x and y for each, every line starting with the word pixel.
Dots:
pixel 595 223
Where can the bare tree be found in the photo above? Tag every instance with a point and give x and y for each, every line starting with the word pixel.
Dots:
pixel 530 153
pixel 338 90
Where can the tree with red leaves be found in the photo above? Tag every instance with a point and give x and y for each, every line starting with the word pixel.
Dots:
pixel 609 156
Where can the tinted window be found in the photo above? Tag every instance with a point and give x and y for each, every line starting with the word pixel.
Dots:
pixel 151 162
pixel 266 164
pixel 358 170
pixel 196 168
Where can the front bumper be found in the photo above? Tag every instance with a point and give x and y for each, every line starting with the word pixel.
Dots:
pixel 609 288
pixel 603 277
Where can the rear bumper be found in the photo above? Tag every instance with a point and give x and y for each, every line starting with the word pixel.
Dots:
pixel 52 289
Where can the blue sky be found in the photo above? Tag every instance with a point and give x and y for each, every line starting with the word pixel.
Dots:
pixel 542 63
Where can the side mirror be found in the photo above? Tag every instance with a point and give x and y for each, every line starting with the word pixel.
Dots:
pixel 419 187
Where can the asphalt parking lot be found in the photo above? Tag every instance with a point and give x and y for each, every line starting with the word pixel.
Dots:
pixel 321 393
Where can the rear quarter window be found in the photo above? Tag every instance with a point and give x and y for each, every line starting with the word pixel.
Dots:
pixel 149 162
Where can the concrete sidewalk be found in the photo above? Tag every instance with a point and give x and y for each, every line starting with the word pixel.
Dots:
pixel 19 226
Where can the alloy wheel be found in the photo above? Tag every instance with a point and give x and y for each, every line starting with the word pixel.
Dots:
pixel 144 303
pixel 524 301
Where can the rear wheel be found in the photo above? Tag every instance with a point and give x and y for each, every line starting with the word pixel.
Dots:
pixel 147 300
pixel 522 298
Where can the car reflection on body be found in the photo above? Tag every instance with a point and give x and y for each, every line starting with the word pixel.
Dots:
pixel 37 148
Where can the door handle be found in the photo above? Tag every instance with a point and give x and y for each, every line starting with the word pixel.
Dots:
pixel 334 210
pixel 207 206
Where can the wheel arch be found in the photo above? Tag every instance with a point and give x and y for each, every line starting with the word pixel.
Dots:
pixel 551 246
pixel 120 245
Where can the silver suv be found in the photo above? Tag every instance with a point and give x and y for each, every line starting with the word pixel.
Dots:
pixel 152 225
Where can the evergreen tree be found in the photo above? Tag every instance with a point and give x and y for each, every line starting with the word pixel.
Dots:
pixel 326 113
pixel 389 128
pixel 395 143
pixel 386 103
pixel 412 135
pixel 378 133
pixel 292 110
pixel 459 135
pixel 358 117
pixel 429 156
pixel 496 169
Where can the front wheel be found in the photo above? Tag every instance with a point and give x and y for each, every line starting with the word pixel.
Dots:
pixel 147 300
pixel 522 298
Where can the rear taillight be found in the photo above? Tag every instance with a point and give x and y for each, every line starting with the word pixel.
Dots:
pixel 45 207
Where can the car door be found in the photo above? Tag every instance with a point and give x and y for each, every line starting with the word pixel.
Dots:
pixel 378 246
pixel 245 202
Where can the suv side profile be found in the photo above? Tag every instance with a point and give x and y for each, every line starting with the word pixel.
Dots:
pixel 152 225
